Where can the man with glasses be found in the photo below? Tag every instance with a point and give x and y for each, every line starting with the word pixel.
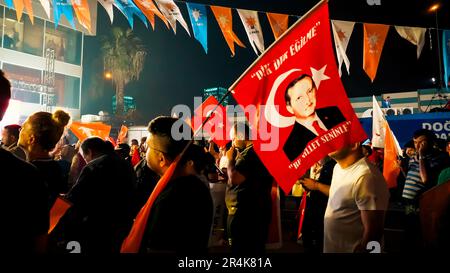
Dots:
pixel 181 217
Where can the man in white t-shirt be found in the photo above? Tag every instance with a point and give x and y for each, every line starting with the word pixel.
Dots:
pixel 357 204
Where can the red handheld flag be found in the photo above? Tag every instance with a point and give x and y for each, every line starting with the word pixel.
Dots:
pixel 57 211
pixel 132 242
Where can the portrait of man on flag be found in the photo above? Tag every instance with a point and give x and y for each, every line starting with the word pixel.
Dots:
pixel 301 101
pixel 302 112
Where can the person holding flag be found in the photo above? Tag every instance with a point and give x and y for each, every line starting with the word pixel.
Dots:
pixel 357 204
pixel 422 175
pixel 180 218
pixel 248 195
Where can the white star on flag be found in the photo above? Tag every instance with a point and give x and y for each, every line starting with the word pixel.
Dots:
pixel 223 20
pixel 220 125
pixel 319 75
pixel 196 14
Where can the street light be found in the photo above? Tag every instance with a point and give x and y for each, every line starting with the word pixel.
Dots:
pixel 108 75
pixel 434 9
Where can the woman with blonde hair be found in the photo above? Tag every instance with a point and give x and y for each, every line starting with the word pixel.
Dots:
pixel 39 135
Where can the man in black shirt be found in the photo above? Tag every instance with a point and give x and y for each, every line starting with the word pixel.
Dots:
pixel 101 197
pixel 248 195
pixel 181 217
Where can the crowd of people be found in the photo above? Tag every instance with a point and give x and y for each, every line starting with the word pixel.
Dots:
pixel 108 185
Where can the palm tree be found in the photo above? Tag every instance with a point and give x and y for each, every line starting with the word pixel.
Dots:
pixel 123 57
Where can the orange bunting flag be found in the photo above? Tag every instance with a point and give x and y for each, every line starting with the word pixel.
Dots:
pixel 391 167
pixel 149 9
pixel 81 8
pixel 278 23
pixel 20 5
pixel 57 211
pixel 132 242
pixel 374 38
pixel 85 130
pixel 122 134
pixel 223 17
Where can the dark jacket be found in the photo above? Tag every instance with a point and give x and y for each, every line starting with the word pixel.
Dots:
pixel 101 215
pixel 23 204
pixel 181 218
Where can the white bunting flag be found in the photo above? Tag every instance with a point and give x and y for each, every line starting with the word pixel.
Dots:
pixel 414 35
pixel 46 5
pixel 108 6
pixel 342 31
pixel 172 13
pixel 252 26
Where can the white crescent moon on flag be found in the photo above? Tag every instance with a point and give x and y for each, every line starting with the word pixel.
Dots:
pixel 270 112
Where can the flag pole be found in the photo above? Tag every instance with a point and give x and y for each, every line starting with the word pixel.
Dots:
pixel 273 44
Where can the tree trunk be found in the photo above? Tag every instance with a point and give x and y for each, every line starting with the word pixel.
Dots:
pixel 120 99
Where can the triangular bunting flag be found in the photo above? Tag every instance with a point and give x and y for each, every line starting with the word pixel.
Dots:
pixel 128 9
pixel 414 35
pixel 81 8
pixel 9 4
pixel 252 26
pixel 108 6
pixel 46 5
pixel 199 23
pixel 279 23
pixel 446 55
pixel 341 32
pixel 149 9
pixel 223 17
pixel 374 38
pixel 20 5
pixel 63 7
pixel 173 14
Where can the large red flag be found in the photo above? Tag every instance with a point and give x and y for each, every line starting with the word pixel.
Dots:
pixel 277 129
pixel 132 242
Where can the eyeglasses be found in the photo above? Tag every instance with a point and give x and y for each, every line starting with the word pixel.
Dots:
pixel 161 151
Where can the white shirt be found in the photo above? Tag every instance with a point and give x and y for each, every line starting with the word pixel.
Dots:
pixel 358 187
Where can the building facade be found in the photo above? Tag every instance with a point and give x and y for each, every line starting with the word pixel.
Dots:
pixel 44 63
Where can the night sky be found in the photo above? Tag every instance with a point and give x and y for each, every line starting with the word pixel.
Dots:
pixel 177 68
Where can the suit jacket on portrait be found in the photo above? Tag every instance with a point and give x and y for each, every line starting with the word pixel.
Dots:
pixel 301 136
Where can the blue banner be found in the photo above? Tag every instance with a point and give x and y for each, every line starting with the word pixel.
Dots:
pixel 446 54
pixel 63 7
pixel 404 126
pixel 9 4
pixel 128 8
pixel 199 22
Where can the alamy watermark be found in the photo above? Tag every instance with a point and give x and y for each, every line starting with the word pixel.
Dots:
pixel 224 128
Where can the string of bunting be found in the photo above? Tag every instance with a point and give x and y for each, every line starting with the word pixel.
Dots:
pixel 169 12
